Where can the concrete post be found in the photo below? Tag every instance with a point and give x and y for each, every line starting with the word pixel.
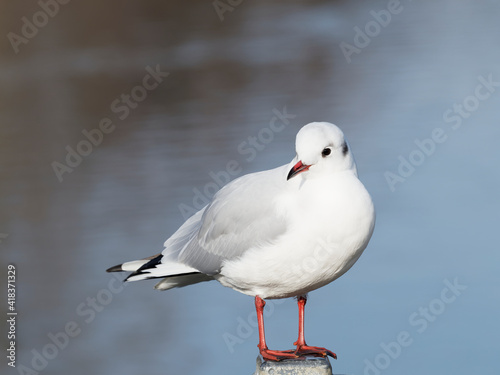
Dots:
pixel 308 366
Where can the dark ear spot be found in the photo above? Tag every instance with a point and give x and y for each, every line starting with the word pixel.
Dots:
pixel 345 149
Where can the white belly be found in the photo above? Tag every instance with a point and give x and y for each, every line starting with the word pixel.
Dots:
pixel 308 256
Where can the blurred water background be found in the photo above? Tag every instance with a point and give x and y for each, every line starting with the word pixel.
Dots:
pixel 229 74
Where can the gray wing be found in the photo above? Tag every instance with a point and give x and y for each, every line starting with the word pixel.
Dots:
pixel 240 217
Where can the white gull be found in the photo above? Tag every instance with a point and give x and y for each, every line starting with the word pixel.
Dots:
pixel 274 234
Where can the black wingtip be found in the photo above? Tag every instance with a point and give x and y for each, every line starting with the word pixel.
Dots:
pixel 117 268
pixel 152 263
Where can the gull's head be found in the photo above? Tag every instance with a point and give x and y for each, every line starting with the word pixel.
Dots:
pixel 321 149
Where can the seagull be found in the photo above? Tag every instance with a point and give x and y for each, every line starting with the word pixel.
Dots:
pixel 279 233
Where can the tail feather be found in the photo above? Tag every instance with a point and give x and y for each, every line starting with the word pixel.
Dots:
pixel 133 265
pixel 117 268
pixel 172 274
pixel 178 281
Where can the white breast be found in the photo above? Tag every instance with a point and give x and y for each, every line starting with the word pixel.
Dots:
pixel 329 226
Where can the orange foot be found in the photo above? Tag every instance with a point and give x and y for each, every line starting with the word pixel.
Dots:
pixel 303 350
pixel 278 355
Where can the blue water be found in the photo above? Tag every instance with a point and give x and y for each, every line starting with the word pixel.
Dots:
pixel 437 220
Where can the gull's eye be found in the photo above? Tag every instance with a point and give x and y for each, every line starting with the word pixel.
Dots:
pixel 326 151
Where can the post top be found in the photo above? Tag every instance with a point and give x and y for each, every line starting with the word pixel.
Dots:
pixel 308 365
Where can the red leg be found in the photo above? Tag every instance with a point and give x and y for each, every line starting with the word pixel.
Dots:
pixel 301 303
pixel 302 347
pixel 268 355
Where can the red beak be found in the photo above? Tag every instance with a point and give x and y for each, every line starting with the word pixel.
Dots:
pixel 297 168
